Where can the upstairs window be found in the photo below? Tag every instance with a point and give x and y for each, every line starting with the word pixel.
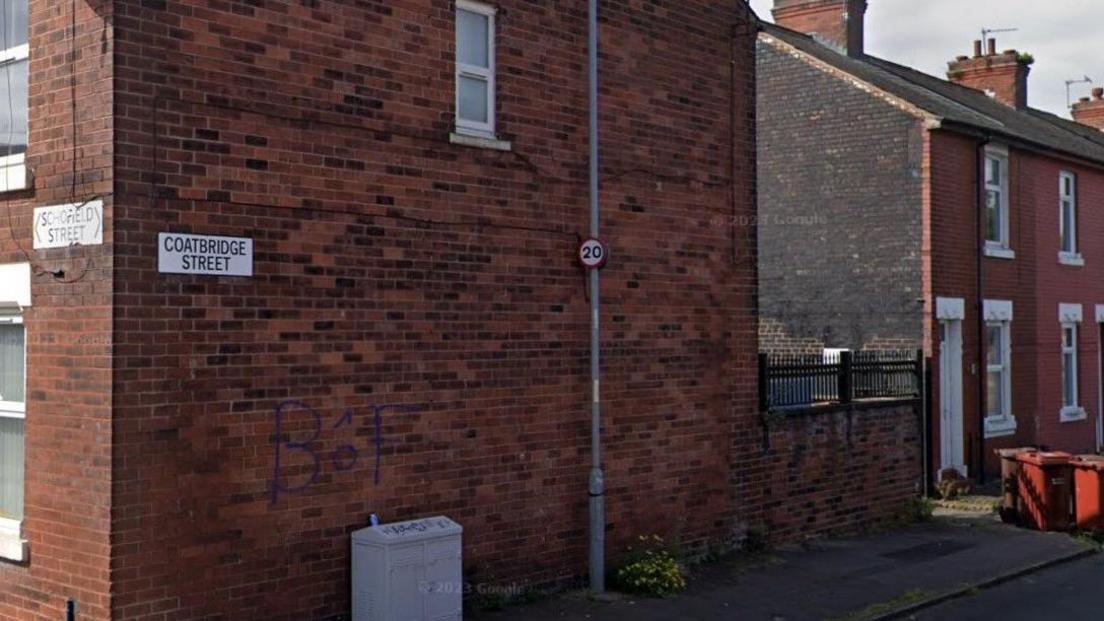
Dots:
pixel 996 202
pixel 475 69
pixel 1067 219
pixel 14 62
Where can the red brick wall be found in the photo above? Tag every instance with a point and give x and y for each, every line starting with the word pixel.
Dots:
pixel 68 428
pixel 431 283
pixel 838 471
pixel 1058 284
pixel 1036 283
pixel 954 275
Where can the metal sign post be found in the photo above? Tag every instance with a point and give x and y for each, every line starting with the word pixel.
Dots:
pixel 597 483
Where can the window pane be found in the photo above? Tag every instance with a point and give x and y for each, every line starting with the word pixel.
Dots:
pixel 992 216
pixel 471 38
pixel 1069 380
pixel 14 30
pixel 993 336
pixel 1067 226
pixel 11 468
pixel 13 125
pixel 994 400
pixel 992 171
pixel 1067 337
pixel 473 99
pixel 12 381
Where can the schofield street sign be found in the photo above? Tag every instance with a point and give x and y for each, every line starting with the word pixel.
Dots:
pixel 60 226
pixel 209 255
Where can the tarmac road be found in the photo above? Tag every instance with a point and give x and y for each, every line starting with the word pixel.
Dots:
pixel 1071 592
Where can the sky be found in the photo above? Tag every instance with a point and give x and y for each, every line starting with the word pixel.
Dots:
pixel 1062 35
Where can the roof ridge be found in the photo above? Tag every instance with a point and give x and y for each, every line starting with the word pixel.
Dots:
pixel 957 104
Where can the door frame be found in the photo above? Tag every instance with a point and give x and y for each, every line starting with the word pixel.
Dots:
pixel 1099 377
pixel 950 315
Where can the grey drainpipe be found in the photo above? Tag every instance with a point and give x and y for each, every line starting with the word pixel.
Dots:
pixel 982 373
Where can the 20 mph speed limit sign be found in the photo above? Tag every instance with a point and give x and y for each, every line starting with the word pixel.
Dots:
pixel 593 254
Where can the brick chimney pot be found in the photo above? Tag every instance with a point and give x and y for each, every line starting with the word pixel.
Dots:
pixel 1004 75
pixel 837 23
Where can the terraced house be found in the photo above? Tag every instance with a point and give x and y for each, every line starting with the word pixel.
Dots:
pixel 946 215
pixel 271 266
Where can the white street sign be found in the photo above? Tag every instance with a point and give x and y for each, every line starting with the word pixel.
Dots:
pixel 210 255
pixel 61 226
pixel 593 254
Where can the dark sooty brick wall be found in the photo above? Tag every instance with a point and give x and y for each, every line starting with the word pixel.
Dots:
pixel 839 211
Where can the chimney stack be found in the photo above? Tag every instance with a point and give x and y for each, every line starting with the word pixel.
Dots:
pixel 1003 76
pixel 1090 111
pixel 837 23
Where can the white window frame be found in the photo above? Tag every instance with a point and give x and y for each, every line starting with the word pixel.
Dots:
pixel 13 409
pixel 1068 256
pixel 1070 317
pixel 468 127
pixel 998 313
pixel 13 168
pixel 15 285
pixel 998 248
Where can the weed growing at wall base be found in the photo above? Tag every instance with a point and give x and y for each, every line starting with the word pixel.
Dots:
pixel 652 569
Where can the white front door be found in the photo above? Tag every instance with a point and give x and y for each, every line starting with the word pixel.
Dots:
pixel 950 396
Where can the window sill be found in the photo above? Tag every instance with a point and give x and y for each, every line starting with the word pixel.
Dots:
pixel 1072 414
pixel 1071 258
pixel 480 142
pixel 14 178
pixel 12 546
pixel 998 252
pixel 999 426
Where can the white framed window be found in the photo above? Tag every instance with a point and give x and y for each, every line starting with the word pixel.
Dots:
pixel 1069 366
pixel 1067 220
pixel 1069 317
pixel 15 294
pixel 999 419
pixel 996 203
pixel 475 69
pixel 14 81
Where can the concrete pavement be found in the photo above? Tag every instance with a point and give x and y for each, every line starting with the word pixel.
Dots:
pixel 854 579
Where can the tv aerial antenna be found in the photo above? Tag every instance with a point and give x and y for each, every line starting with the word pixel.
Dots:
pixel 1069 83
pixel 985 32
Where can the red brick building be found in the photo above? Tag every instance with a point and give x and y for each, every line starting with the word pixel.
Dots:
pixel 943 215
pixel 410 335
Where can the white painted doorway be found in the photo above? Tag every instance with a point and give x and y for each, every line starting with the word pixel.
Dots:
pixel 950 397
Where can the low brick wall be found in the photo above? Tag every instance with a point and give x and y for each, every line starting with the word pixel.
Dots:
pixel 838 469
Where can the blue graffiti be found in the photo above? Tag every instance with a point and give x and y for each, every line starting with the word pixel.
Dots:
pixel 343 458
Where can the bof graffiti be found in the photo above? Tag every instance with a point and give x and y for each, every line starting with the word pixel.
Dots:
pixel 342 459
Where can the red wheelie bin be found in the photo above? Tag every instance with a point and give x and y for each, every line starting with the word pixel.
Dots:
pixel 1045 490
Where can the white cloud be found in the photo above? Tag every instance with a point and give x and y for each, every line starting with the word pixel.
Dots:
pixel 1060 34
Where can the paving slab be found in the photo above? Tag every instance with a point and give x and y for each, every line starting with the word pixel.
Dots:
pixel 866 577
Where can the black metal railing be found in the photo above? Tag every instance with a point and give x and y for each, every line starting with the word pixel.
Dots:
pixel 787 380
